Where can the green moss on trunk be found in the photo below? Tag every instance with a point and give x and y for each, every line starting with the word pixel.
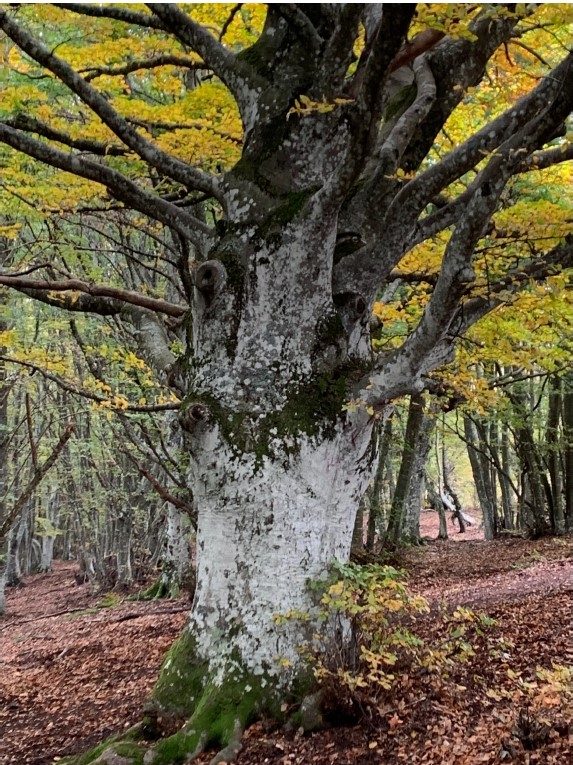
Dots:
pixel 181 680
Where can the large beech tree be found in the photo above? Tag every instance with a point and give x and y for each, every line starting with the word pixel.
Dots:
pixel 284 246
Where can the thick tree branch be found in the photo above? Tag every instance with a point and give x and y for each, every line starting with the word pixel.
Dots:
pixel 107 11
pixel 540 160
pixel 365 114
pixel 431 343
pixel 118 185
pixel 236 74
pixel 32 125
pixel 371 265
pixel 96 290
pixel 339 49
pixel 421 190
pixel 393 27
pixel 393 148
pixel 458 64
pixel 153 62
pixel 156 157
pixel 301 24
pixel 448 215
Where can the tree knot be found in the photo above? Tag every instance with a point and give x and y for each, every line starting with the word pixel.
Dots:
pixel 192 415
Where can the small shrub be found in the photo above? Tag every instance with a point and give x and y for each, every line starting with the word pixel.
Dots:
pixel 372 643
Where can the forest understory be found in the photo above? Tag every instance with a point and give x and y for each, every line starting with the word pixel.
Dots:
pixel 76 667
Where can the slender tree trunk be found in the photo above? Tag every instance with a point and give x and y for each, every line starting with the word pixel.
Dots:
pixel 535 512
pixel 123 549
pixel 457 513
pixel 375 513
pixel 413 452
pixel 3 558
pixel 504 480
pixel 16 535
pixel 49 535
pixel 568 448
pixel 358 531
pixel 177 566
pixel 443 522
pixel 418 481
pixel 553 454
pixel 481 475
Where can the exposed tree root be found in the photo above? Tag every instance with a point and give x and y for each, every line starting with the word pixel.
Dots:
pixel 220 718
pixel 190 710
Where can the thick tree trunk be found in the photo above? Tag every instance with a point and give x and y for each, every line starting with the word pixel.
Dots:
pixel 268 526
pixel 278 463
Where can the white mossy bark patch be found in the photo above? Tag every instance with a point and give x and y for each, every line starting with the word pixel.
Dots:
pixel 266 529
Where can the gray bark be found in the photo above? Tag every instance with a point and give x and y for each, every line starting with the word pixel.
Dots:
pixel 404 521
pixel 481 474
pixel 568 448
pixel 553 455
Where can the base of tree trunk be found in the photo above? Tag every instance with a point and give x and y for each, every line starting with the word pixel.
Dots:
pixel 189 711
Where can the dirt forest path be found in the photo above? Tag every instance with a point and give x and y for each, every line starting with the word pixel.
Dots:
pixel 76 666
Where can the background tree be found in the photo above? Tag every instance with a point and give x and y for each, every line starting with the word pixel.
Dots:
pixel 320 125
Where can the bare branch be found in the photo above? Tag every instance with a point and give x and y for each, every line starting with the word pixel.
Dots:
pixel 96 290
pixel 164 493
pixel 113 12
pixel 540 160
pixel 32 125
pixel 229 21
pixel 134 66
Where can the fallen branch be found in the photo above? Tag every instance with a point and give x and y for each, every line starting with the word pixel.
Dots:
pixel 89 609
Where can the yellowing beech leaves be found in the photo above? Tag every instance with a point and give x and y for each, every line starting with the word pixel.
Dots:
pixel 162 88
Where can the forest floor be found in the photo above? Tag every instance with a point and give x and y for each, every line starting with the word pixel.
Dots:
pixel 76 666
